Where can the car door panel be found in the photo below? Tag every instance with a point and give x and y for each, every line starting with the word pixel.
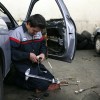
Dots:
pixel 7 23
pixel 70 32
pixel 6 53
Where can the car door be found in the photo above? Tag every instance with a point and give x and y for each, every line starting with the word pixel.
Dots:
pixel 7 24
pixel 60 32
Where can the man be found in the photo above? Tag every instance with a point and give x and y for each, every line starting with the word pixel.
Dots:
pixel 27 45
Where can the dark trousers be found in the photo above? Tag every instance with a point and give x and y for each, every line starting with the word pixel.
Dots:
pixel 33 83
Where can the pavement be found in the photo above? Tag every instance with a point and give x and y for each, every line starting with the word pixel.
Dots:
pixel 84 71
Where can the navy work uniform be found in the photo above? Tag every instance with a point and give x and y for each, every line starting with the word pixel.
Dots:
pixel 22 43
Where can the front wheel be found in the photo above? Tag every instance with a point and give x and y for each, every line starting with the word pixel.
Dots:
pixel 1 84
pixel 97 44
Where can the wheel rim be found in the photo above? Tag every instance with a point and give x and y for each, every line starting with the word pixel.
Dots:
pixel 98 45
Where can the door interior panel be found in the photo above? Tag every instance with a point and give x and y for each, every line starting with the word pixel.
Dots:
pixel 55 36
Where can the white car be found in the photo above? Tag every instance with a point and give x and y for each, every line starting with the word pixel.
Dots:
pixel 61 36
pixel 96 40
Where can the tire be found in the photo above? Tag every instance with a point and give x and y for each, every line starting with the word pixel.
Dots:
pixel 97 44
pixel 86 34
pixel 81 41
pixel 1 84
pixel 87 37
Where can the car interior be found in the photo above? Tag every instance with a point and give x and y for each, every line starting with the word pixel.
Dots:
pixel 55 42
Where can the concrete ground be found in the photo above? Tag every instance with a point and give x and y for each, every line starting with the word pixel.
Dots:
pixel 84 70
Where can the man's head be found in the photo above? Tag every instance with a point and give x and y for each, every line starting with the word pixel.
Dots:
pixel 35 23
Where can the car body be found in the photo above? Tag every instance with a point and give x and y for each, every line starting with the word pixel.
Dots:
pixel 96 40
pixel 61 37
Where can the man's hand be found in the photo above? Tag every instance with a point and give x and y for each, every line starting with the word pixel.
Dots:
pixel 33 57
pixel 42 56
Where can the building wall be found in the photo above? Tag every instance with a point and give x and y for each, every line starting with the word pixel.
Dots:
pixel 84 12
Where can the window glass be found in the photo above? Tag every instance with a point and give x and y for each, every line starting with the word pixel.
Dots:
pixel 3 20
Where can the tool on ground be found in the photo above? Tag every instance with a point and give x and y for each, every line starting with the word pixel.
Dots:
pixel 81 90
pixel 67 83
pixel 27 74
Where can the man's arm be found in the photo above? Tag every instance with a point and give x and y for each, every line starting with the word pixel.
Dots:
pixel 16 54
pixel 15 41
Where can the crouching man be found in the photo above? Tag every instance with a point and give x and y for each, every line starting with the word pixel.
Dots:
pixel 27 43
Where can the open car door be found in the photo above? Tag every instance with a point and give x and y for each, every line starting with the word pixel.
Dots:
pixel 61 32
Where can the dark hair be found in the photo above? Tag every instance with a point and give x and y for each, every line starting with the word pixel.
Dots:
pixel 37 20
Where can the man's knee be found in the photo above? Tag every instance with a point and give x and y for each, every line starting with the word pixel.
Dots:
pixel 43 85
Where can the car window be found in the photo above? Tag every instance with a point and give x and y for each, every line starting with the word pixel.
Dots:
pixel 48 8
pixel 5 19
pixel 3 25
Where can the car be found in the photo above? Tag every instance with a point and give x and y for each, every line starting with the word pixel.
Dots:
pixel 96 40
pixel 60 33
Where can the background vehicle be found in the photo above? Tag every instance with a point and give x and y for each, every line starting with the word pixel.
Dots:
pixel 61 35
pixel 96 40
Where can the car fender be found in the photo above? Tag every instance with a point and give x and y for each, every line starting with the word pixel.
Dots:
pixel 5 53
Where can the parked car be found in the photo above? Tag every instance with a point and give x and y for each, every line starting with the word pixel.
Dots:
pixel 96 40
pixel 61 37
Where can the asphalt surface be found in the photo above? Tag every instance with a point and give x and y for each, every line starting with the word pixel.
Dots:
pixel 84 71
